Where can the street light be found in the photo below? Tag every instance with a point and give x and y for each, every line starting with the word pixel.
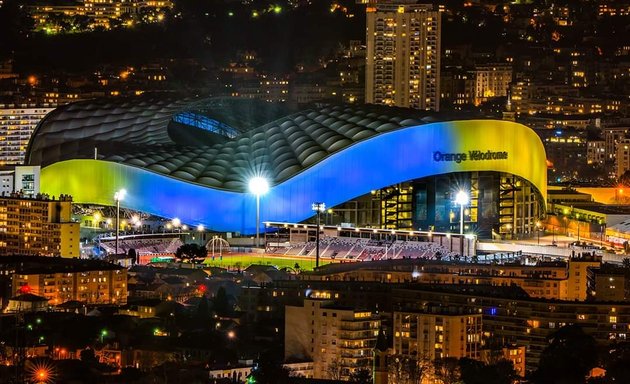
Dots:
pixel 118 196
pixel 318 208
pixel 258 186
pixel 200 229
pixel 461 199
pixel 176 222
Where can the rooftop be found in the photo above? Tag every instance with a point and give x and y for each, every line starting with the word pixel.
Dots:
pixel 30 265
pixel 198 141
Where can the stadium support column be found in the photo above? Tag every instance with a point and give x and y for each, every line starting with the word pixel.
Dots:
pixel 318 208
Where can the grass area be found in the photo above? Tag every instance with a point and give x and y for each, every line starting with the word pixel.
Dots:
pixel 244 260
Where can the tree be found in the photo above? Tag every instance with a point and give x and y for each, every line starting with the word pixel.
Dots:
pixel 335 370
pixel 405 370
pixel 361 376
pixel 568 358
pixel 221 303
pixel 617 363
pixel 203 310
pixel 447 370
pixel 476 372
pixel 269 371
pixel 191 252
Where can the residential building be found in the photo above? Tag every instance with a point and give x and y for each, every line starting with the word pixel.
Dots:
pixel 515 319
pixel 27 302
pixel 38 225
pixel 608 283
pixel 339 340
pixel 596 152
pixel 548 280
pixel 513 353
pixel 613 136
pixel 62 280
pixel 403 55
pixel 17 123
pixel 437 333
pixel 622 163
pixel 491 80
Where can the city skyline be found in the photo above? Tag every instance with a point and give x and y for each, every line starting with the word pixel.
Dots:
pixel 306 191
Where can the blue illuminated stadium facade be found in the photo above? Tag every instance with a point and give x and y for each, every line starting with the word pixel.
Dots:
pixel 175 161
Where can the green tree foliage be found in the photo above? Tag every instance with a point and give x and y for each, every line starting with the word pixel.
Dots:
pixel 568 358
pixel 191 252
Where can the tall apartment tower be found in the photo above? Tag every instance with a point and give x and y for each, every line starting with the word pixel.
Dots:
pixel 17 123
pixel 38 225
pixel 339 340
pixel 403 55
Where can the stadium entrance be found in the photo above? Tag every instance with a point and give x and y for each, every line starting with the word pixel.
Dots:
pixel 501 205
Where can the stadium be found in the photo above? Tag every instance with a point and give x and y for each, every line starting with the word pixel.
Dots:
pixel 373 166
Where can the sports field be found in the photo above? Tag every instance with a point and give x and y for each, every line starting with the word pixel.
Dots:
pixel 243 260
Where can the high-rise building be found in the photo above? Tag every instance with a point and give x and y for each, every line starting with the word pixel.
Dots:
pixel 17 123
pixel 491 80
pixel 339 340
pixel 437 334
pixel 622 160
pixel 403 55
pixel 38 226
pixel 596 152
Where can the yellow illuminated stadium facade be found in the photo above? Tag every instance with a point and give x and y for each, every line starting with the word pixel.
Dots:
pixel 373 166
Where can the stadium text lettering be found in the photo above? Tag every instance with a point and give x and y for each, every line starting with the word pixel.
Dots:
pixel 471 155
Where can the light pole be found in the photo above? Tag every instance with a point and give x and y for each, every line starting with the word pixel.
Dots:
pixel 258 186
pixel 176 222
pixel 200 229
pixel 461 199
pixel 318 208
pixel 577 221
pixel 538 231
pixel 118 196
